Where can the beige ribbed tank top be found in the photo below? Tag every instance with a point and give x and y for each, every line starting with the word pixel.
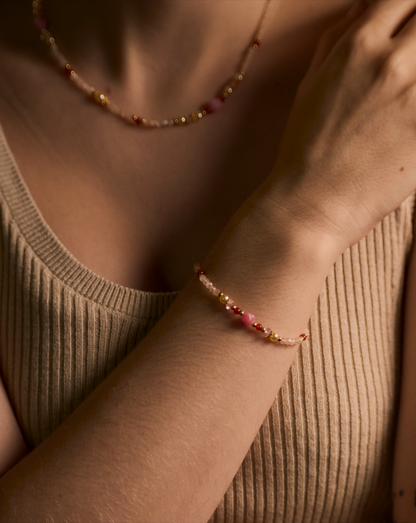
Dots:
pixel 324 452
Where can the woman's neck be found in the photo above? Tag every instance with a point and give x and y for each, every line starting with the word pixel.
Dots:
pixel 146 48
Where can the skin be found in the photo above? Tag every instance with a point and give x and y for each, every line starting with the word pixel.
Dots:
pixel 311 201
pixel 132 244
pixel 404 476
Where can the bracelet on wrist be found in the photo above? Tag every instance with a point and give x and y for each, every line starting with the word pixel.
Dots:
pixel 246 317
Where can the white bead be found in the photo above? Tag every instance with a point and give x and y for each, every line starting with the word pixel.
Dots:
pixel 267 332
pixel 229 304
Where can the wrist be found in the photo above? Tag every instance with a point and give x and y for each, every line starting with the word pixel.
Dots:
pixel 265 260
pixel 299 213
pixel 291 233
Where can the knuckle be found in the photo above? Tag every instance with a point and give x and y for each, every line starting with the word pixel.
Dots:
pixel 362 41
pixel 394 70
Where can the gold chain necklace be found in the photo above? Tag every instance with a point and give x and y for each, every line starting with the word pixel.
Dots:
pixel 215 105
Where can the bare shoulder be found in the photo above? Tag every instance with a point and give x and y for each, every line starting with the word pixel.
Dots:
pixel 408 382
pixel 410 288
pixel 12 445
pixel 404 470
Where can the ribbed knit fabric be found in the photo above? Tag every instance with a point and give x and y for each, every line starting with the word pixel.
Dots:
pixel 324 452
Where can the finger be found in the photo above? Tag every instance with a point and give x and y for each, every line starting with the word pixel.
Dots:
pixel 407 32
pixel 330 37
pixel 386 17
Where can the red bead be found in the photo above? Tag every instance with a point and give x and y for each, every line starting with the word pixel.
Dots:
pixel 200 271
pixel 137 119
pixel 67 70
pixel 222 98
pixel 236 310
pixel 207 109
pixel 259 327
pixel 215 105
pixel 256 43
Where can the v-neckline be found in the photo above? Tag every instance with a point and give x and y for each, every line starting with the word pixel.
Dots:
pixel 58 260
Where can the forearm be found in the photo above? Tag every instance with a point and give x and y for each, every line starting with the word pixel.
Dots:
pixel 161 439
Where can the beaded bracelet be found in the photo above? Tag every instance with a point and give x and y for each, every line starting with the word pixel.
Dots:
pixel 246 317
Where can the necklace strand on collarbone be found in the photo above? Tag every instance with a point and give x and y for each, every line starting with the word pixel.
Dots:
pixel 42 23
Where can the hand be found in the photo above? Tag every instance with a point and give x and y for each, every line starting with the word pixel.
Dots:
pixel 348 155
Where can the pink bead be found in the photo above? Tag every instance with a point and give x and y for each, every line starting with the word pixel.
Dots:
pixel 267 332
pixel 215 105
pixel 229 304
pixel 247 318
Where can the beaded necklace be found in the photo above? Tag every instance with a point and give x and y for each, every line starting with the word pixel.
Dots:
pixel 215 105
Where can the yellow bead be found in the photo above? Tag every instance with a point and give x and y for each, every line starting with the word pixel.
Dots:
pixel 274 337
pixel 100 98
pixel 47 37
pixel 224 298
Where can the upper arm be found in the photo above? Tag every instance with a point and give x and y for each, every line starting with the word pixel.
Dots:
pixel 12 445
pixel 404 473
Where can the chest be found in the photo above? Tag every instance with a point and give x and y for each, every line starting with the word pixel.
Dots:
pixel 137 206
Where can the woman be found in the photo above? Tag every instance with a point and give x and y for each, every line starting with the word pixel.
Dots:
pixel 159 435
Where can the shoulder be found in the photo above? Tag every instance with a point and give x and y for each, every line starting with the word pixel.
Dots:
pixel 410 276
